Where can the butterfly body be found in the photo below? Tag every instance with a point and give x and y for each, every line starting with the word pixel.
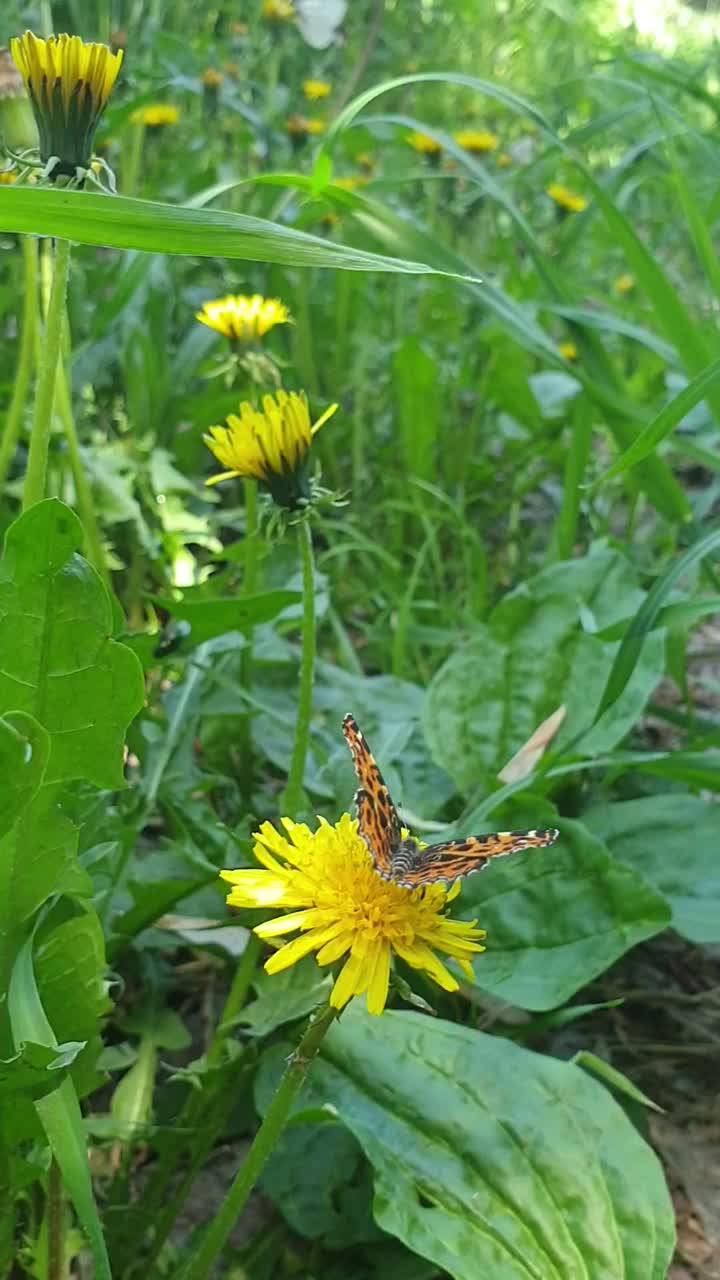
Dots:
pixel 400 858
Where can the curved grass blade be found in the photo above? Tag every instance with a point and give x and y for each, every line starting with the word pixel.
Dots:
pixel 59 1111
pixel 635 636
pixel 123 223
pixel 661 426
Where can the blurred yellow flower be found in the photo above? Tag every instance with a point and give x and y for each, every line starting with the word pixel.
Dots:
pixel 243 317
pixel 7 176
pixel 476 140
pixel 504 159
pixel 69 83
pixel 565 198
pixel 624 283
pixel 300 126
pixel 568 350
pixel 278 10
pixel 351 183
pixel 269 445
pixel 155 114
pixel 211 77
pixel 316 89
pixel 232 69
pixel 366 160
pixel 424 143
pixel 343 908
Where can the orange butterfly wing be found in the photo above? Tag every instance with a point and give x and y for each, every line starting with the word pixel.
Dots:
pixel 378 822
pixel 443 863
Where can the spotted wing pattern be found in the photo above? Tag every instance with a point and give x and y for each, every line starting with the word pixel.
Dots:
pixel 403 860
pixel 444 863
pixel 378 822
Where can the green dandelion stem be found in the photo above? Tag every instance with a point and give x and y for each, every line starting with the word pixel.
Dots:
pixel 262 1147
pixel 83 493
pixel 293 799
pixel 250 586
pixel 236 998
pixel 26 356
pixel 36 474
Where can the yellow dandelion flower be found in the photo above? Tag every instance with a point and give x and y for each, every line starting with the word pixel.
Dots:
pixel 69 83
pixel 243 318
pixel 568 350
pixel 565 198
pixel 301 127
pixel 477 140
pixel 314 89
pixel 342 908
pixel 624 283
pixel 504 159
pixel 155 114
pixel 269 445
pixel 7 176
pixel 278 10
pixel 423 143
pixel 211 77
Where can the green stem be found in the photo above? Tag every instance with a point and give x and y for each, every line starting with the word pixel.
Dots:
pixel 54 1223
pixel 236 997
pixel 26 355
pixel 83 494
pixel 263 1144
pixel 293 796
pixel 250 583
pixel 36 474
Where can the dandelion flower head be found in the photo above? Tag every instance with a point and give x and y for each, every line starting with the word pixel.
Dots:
pixel 341 909
pixel 243 317
pixel 269 445
pixel 314 89
pixel 155 114
pixel 565 198
pixel 68 82
pixel 477 140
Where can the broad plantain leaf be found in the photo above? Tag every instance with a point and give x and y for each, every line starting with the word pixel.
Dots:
pixel 536 652
pixel 492 1160
pixel 672 841
pixel 556 918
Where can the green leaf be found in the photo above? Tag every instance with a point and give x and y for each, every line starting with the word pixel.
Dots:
pixel 532 656
pixel 38 859
pixel 661 426
pixel 418 400
pixel 71 979
pixel 284 997
pixel 58 1112
pixel 556 918
pixel 122 223
pixel 24 751
pixel 638 634
pixel 672 841
pixel 210 618
pixel 37 1069
pixel 59 663
pixel 613 1077
pixel 492 1160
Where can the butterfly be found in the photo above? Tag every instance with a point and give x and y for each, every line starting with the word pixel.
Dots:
pixel 401 859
